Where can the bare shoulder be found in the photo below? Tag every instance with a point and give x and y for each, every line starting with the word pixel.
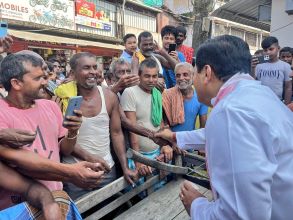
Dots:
pixel 111 98
pixel 109 94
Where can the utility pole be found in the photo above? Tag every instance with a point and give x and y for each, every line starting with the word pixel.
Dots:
pixel 201 10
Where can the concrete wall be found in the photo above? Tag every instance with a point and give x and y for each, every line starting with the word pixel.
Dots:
pixel 280 19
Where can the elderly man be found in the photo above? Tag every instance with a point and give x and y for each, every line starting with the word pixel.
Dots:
pixel 122 76
pixel 181 105
pixel 249 149
pixel 101 120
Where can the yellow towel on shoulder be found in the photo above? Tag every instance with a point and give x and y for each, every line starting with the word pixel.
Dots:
pixel 65 91
pixel 140 56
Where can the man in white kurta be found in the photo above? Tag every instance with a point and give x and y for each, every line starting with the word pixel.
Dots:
pixel 248 140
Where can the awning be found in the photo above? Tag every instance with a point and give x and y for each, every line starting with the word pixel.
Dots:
pixel 243 12
pixel 65 40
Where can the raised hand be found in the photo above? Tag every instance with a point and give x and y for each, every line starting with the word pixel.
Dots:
pixel 5 43
pixel 73 123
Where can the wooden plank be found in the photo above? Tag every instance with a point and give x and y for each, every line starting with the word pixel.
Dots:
pixel 163 204
pixel 182 216
pixel 122 199
pixel 178 162
pixel 192 158
pixel 131 154
pixel 92 199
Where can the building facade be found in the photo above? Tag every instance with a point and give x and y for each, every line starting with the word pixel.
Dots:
pixel 64 27
pixel 282 22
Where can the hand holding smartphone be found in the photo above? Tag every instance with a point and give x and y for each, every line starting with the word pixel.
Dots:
pixel 172 47
pixel 73 104
pixel 263 59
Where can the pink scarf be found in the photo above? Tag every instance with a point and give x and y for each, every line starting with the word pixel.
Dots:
pixel 229 86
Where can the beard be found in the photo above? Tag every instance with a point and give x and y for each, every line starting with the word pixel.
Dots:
pixel 147 53
pixel 185 85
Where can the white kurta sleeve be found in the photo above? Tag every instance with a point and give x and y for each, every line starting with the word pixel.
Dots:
pixel 241 166
pixel 191 139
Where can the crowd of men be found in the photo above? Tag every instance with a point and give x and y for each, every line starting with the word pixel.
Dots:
pixel 149 100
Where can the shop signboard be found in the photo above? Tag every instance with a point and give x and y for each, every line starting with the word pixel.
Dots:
pixel 85 8
pixel 88 14
pixel 56 13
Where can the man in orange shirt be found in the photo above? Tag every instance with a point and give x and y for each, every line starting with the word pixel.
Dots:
pixel 188 52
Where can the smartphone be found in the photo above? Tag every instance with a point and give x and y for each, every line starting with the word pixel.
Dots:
pixel 3 29
pixel 172 47
pixel 50 88
pixel 73 104
pixel 263 59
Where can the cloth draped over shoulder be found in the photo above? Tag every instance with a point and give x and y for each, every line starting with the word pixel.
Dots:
pixel 157 109
pixel 140 56
pixel 65 91
pixel 173 105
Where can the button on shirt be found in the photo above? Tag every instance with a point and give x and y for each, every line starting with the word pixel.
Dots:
pixel 249 147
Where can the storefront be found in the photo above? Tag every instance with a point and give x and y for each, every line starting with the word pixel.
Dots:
pixel 63 47
pixel 50 17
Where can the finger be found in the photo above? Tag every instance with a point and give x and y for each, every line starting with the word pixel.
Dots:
pixel 99 167
pixel 158 135
pixel 90 165
pixel 9 39
pixel 72 124
pixel 141 172
pixel 106 166
pixel 149 170
pixel 25 132
pixel 78 112
pixel 6 45
pixel 171 155
pixel 128 179
pixel 74 118
pixel 160 157
pixel 26 139
pixel 94 175
pixel 186 186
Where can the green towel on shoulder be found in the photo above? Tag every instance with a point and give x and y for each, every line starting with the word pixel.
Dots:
pixel 157 109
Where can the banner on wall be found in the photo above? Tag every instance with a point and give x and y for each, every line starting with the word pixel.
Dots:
pixel 85 8
pixel 88 14
pixel 56 13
